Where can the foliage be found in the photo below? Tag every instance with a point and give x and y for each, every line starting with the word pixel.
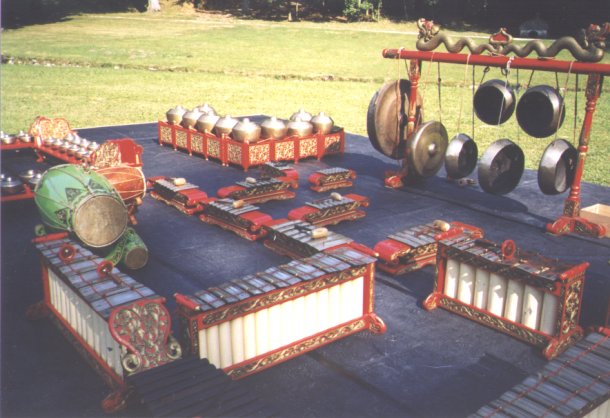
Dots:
pixel 362 10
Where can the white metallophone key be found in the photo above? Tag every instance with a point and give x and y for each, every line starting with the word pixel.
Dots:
pixel 510 299
pixel 243 338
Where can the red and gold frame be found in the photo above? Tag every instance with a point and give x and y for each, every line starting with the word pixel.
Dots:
pixel 193 320
pixel 568 289
pixel 398 258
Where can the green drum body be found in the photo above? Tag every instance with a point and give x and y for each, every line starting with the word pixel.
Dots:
pixel 129 250
pixel 73 198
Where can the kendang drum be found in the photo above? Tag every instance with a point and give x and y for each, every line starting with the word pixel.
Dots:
pixel 494 102
pixel 127 180
pixel 540 111
pixel 72 198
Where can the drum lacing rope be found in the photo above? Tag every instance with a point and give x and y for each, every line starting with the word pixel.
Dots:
pixel 553 374
pixel 462 96
pixel 565 89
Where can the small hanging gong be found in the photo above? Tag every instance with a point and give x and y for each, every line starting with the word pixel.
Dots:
pixel 426 148
pixel 501 167
pixel 557 167
pixel 494 102
pixel 386 118
pixel 461 156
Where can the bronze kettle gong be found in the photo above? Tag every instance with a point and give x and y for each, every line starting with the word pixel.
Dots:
pixel 501 167
pixel 426 148
pixel 557 167
pixel 386 118
pixel 494 102
pixel 540 111
pixel 461 156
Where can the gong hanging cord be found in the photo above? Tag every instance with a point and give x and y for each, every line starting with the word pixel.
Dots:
pixel 462 96
pixel 440 101
pixel 425 81
pixel 562 108
pixel 398 95
pixel 575 109
pixel 505 72
pixel 473 93
pixel 518 94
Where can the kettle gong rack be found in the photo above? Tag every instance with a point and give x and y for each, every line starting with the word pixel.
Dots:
pixel 570 221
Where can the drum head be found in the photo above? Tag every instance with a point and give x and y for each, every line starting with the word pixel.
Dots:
pixel 557 167
pixel 386 118
pixel 100 220
pixel 136 258
pixel 426 148
pixel 540 111
pixel 501 167
pixel 494 102
pixel 461 156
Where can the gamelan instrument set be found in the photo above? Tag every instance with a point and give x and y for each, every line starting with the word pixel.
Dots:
pixel 326 292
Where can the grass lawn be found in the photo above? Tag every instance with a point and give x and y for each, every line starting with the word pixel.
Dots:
pixel 124 68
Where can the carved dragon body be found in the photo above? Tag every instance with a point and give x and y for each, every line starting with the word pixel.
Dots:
pixel 590 48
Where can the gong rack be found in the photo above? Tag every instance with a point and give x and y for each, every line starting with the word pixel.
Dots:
pixel 570 221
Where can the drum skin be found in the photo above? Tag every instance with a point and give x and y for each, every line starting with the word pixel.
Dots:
pixel 494 102
pixel 540 111
pixel 127 180
pixel 129 250
pixel 557 167
pixel 386 118
pixel 461 156
pixel 501 167
pixel 72 198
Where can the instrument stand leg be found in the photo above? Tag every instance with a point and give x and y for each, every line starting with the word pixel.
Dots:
pixel 571 221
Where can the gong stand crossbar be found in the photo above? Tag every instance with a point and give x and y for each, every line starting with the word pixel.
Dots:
pixel 570 221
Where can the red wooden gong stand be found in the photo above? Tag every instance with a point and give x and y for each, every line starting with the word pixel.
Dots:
pixel 570 220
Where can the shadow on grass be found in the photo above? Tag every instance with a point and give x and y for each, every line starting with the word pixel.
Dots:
pixel 20 13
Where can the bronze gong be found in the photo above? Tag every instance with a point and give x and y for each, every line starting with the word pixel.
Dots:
pixel 386 118
pixel 540 111
pixel 501 167
pixel 426 148
pixel 461 156
pixel 494 102
pixel 557 167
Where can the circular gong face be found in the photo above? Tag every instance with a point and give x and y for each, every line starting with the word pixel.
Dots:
pixel 557 167
pixel 461 156
pixel 426 148
pixel 501 167
pixel 494 102
pixel 540 111
pixel 386 118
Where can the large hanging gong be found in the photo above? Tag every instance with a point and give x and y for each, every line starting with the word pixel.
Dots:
pixel 540 111
pixel 494 102
pixel 501 167
pixel 386 118
pixel 557 167
pixel 461 156
pixel 426 148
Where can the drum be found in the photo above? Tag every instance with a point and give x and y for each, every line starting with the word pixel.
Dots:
pixel 72 198
pixel 129 250
pixel 127 180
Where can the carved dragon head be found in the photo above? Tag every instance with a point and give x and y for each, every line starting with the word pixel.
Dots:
pixel 427 29
pixel 596 35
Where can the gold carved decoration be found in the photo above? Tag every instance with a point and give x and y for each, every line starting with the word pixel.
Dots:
pixel 107 155
pixel 234 153
pixel 308 147
pixel 297 349
pixel 572 307
pixel 197 142
pixel 181 139
pixel 166 134
pixel 259 153
pixel 240 309
pixel 214 148
pixel 332 143
pixel 284 150
pixel 493 322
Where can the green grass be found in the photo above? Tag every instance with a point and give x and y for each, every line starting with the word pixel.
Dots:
pixel 124 68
